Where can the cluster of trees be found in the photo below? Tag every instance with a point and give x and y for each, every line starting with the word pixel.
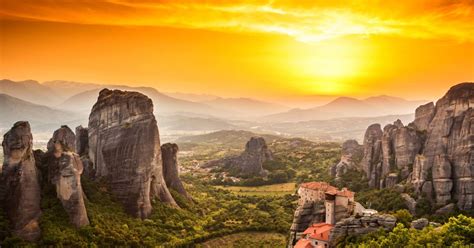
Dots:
pixel 213 213
pixel 384 200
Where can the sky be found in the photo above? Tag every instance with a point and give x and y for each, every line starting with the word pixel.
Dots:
pixel 414 49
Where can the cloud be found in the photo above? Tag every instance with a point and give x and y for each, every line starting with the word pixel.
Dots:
pixel 306 21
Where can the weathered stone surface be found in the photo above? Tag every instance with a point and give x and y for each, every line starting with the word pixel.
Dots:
pixel 305 215
pixel 419 223
pixel 170 169
pixel 124 146
pixel 19 179
pixel 400 145
pixel 446 209
pixel 410 202
pixel 423 116
pixel 391 180
pixel 250 162
pixel 64 171
pixel 82 141
pixel 351 154
pixel 449 148
pixel 82 149
pixel 372 160
pixel 360 226
pixel 434 153
pixel 66 137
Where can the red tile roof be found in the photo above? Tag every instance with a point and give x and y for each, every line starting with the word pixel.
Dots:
pixel 303 243
pixel 319 231
pixel 328 189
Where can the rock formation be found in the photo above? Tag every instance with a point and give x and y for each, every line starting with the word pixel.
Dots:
pixel 423 116
pixel 82 141
pixel 82 149
pixel 435 153
pixel 170 169
pixel 19 179
pixel 305 215
pixel 64 168
pixel 446 165
pixel 250 162
pixel 372 160
pixel 124 146
pixel 419 223
pixel 66 137
pixel 360 225
pixel 351 154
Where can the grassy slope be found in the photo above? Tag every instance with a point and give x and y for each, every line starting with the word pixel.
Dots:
pixel 269 190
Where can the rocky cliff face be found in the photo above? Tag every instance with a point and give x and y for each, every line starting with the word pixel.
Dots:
pixel 446 166
pixel 170 169
pixel 305 215
pixel 435 153
pixel 82 149
pixel 372 160
pixel 124 146
pixel 250 162
pixel 82 141
pixel 351 154
pixel 64 168
pixel 19 180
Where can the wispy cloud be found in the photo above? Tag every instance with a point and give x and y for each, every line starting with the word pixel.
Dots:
pixel 307 21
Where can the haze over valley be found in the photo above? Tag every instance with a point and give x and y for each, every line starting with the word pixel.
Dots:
pixel 341 118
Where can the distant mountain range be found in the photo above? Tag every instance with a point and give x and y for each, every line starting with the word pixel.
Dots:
pixel 79 97
pixel 50 104
pixel 41 117
pixel 348 107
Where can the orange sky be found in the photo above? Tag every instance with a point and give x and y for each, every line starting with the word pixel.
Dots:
pixel 264 49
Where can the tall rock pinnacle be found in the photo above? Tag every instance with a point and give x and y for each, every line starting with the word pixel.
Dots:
pixel 170 169
pixel 19 179
pixel 124 146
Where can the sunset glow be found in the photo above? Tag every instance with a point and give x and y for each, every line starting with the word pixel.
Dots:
pixel 250 48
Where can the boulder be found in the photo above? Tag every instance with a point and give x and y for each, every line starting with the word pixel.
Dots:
pixel 410 202
pixel 19 180
pixel 448 209
pixel 170 169
pixel 124 146
pixel 419 223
